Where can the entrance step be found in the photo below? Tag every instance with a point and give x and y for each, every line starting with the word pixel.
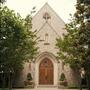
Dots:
pixel 46 86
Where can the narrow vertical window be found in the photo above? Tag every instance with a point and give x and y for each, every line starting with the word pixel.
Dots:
pixel 46 37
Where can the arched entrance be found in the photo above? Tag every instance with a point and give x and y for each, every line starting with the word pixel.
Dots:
pixel 46 72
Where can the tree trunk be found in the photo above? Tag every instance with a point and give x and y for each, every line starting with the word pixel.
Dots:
pixel 88 78
pixel 3 81
pixel 9 82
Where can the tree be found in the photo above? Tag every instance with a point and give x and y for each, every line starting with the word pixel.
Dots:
pixel 2 1
pixel 83 18
pixel 68 46
pixel 74 48
pixel 17 41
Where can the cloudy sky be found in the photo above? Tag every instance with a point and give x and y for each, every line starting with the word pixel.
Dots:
pixel 62 7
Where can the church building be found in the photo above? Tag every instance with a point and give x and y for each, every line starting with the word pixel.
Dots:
pixel 46 68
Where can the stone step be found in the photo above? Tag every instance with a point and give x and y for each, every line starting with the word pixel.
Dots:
pixel 47 86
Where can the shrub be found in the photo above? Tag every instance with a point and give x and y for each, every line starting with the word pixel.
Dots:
pixel 29 76
pixel 62 77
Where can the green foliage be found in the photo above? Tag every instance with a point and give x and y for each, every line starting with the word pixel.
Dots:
pixel 74 48
pixel 17 41
pixel 62 77
pixel 29 77
pixel 2 1
pixel 68 46
pixel 4 89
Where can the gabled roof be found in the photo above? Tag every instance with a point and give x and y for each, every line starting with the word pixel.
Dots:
pixel 48 6
pixel 55 22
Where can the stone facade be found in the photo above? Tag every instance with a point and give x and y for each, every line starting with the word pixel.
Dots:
pixel 49 26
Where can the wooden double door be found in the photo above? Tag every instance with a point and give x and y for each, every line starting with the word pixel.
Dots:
pixel 46 74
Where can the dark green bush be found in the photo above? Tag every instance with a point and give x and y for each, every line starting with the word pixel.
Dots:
pixel 62 77
pixel 29 76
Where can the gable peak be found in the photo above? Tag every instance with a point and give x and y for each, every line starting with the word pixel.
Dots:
pixel 46 5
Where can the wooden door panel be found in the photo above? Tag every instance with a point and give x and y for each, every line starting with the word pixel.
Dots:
pixel 42 78
pixel 50 76
pixel 46 72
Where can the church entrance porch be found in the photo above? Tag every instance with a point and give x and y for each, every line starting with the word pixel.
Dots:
pixel 46 72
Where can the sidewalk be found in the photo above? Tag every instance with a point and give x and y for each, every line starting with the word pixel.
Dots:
pixel 47 89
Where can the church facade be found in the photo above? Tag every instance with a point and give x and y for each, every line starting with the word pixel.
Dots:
pixel 46 69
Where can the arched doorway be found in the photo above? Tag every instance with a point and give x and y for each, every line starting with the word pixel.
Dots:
pixel 46 72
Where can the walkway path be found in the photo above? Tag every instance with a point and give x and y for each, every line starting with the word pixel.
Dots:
pixel 48 89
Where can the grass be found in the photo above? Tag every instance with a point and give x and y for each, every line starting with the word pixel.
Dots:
pixel 4 88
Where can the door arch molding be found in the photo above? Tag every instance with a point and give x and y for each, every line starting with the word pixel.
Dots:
pixel 54 61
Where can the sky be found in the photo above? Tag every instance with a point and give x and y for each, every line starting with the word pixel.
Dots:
pixel 62 7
